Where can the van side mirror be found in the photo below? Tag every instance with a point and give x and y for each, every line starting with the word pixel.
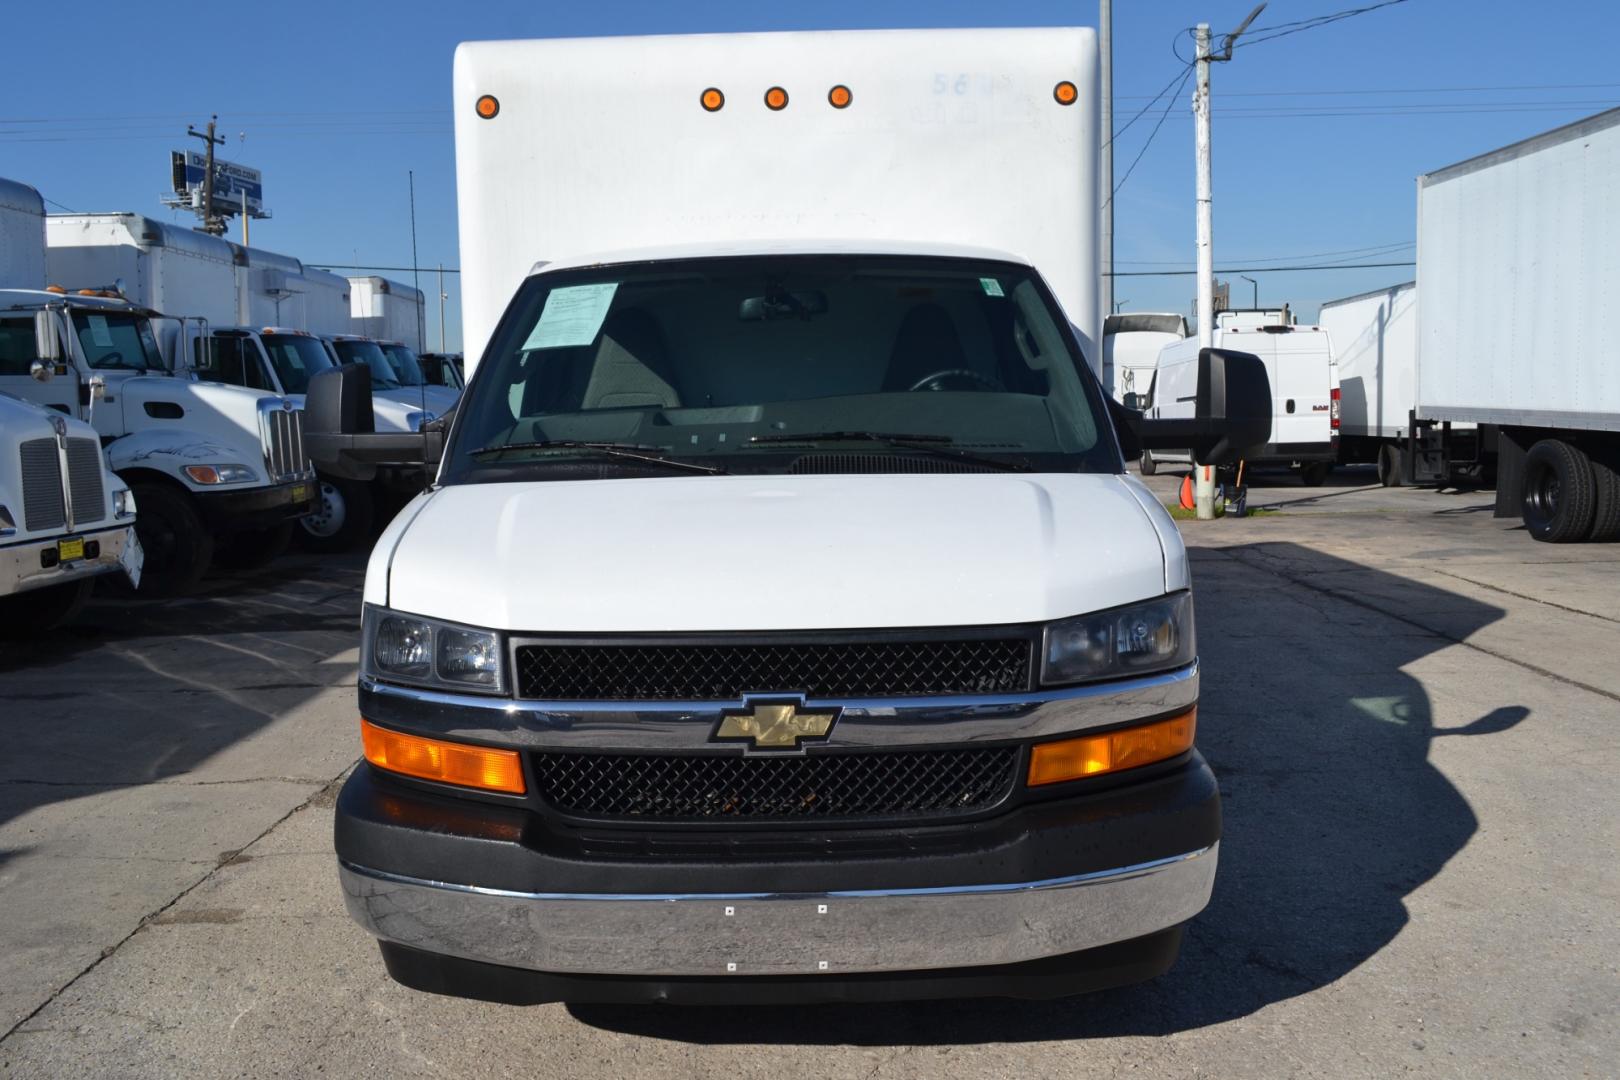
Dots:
pixel 47 346
pixel 1230 412
pixel 340 433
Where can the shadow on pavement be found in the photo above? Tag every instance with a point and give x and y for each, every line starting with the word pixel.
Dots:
pixel 1333 814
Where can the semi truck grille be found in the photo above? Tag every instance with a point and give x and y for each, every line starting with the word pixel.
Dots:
pixel 284 454
pixel 42 486
pixel 84 481
pixel 700 672
pixel 728 787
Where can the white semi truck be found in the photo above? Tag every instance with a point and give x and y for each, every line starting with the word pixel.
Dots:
pixel 65 518
pixel 1518 262
pixel 782 623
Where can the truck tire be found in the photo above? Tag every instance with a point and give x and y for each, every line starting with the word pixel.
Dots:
pixel 1313 473
pixel 1606 508
pixel 39 610
pixel 253 548
pixel 1391 465
pixel 1560 495
pixel 1148 466
pixel 342 517
pixel 179 547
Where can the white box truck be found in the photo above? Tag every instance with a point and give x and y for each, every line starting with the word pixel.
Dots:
pixel 22 236
pixel 65 518
pixel 1518 263
pixel 162 267
pixel 782 623
pixel 1304 387
pixel 385 310
pixel 1131 344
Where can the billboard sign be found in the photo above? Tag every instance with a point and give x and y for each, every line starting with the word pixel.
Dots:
pixel 231 182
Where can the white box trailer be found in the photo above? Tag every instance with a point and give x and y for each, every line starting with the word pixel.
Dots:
pixel 326 302
pixel 1131 344
pixel 1518 266
pixel 22 237
pixel 164 267
pixel 970 110
pixel 386 310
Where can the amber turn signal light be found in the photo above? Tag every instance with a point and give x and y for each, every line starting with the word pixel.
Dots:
pixel 839 97
pixel 487 107
pixel 1066 93
pixel 479 767
pixel 776 99
pixel 1113 751
pixel 712 100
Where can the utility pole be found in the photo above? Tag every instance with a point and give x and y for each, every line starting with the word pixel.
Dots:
pixel 212 225
pixel 1204 478
pixel 244 218
pixel 1105 39
pixel 443 296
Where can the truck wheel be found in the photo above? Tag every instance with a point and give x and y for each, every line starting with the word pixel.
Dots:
pixel 179 547
pixel 38 610
pixel 1606 508
pixel 251 549
pixel 1148 466
pixel 342 517
pixel 1312 473
pixel 1391 466
pixel 1559 493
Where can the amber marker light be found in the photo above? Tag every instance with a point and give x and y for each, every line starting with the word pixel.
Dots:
pixel 488 107
pixel 1113 751
pixel 839 97
pixel 479 767
pixel 1066 93
pixel 776 99
pixel 712 100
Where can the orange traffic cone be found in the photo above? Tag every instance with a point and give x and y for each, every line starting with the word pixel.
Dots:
pixel 1188 502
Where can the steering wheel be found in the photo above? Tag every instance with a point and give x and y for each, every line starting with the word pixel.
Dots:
pixel 111 359
pixel 943 380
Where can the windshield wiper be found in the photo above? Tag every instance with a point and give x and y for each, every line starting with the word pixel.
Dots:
pixel 628 451
pixel 929 444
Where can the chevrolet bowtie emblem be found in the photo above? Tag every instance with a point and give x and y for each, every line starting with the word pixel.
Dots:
pixel 774 725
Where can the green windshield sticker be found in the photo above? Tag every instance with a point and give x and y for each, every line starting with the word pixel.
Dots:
pixel 992 287
pixel 573 316
pixel 99 332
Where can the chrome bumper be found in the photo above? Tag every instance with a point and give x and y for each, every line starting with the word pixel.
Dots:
pixel 20 569
pixel 782 934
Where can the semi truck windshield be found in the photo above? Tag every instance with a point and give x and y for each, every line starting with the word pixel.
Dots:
pixel 114 340
pixel 403 361
pixel 790 363
pixel 369 353
pixel 295 359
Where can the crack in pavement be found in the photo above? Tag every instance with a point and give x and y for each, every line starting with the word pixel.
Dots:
pixel 23 782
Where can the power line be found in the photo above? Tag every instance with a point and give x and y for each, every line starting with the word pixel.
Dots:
pixel 1179 76
pixel 1162 116
pixel 365 266
pixel 59 206
pixel 1259 269
pixel 1408 90
pixel 1301 25
pixel 1376 249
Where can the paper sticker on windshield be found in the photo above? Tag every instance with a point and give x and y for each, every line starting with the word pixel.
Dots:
pixel 99 332
pixel 573 316
pixel 992 287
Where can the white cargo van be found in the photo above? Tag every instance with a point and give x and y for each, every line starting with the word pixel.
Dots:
pixel 65 519
pixel 1131 344
pixel 1304 387
pixel 782 623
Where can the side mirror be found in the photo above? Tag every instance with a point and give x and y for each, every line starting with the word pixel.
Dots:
pixel 47 346
pixel 1225 417
pixel 340 433
pixel 41 370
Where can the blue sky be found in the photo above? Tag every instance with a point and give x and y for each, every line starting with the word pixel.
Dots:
pixel 1318 135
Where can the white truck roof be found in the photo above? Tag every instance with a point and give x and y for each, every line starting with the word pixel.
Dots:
pixel 22 236
pixel 731 248
pixel 953 137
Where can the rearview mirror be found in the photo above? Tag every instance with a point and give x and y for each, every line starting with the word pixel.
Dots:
pixel 340 433
pixel 47 346
pixel 1217 407
pixel 781 305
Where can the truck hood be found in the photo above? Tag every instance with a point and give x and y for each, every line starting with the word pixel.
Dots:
pixel 439 399
pixel 778 552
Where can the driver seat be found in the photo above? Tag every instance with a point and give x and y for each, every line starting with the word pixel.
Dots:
pixel 926 343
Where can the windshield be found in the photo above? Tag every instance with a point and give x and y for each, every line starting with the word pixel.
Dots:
pixel 114 340
pixel 295 358
pixel 439 370
pixel 383 376
pixel 406 369
pixel 799 364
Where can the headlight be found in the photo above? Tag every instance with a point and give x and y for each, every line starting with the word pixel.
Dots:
pixel 1152 636
pixel 221 474
pixel 123 503
pixel 411 649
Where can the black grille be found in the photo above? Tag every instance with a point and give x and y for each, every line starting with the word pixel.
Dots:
pixel 698 672
pixel 84 480
pixel 883 463
pixel 42 485
pixel 731 787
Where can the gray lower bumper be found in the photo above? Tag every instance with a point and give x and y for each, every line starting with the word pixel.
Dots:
pixel 20 568
pixel 782 934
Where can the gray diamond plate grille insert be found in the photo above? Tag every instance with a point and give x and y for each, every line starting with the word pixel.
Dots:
pixel 696 672
pixel 731 787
